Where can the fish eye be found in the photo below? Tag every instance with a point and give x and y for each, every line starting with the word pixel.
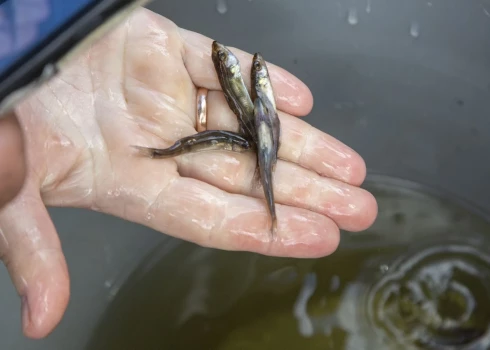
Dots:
pixel 258 66
pixel 222 55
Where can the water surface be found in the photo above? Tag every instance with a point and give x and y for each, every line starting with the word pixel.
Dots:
pixel 419 278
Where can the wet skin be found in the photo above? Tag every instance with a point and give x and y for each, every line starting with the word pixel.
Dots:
pixel 259 125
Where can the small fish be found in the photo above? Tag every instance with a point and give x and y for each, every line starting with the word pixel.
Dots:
pixel 261 83
pixel 262 87
pixel 209 140
pixel 230 77
pixel 265 154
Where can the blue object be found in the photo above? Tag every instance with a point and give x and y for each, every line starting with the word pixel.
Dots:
pixel 24 24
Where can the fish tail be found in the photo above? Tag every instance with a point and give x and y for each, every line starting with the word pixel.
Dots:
pixel 145 151
pixel 156 152
pixel 269 196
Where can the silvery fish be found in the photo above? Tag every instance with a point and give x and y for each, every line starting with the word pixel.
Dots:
pixel 265 153
pixel 209 140
pixel 230 77
pixel 262 87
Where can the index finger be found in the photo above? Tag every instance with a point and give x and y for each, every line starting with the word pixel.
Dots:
pixel 292 95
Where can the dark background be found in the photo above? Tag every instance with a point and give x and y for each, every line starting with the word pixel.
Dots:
pixel 405 83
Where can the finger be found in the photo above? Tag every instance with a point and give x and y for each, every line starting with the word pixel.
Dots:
pixel 350 207
pixel 12 162
pixel 31 251
pixel 198 212
pixel 301 143
pixel 292 95
pixel 152 62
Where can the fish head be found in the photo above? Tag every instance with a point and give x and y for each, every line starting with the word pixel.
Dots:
pixel 259 68
pixel 223 56
pixel 243 144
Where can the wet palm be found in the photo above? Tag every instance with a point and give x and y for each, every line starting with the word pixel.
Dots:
pixel 138 87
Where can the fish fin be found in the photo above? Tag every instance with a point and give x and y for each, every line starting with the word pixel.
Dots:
pixel 256 183
pixel 146 151
pixel 273 225
pixel 274 165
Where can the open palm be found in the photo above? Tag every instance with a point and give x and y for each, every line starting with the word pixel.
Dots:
pixel 138 86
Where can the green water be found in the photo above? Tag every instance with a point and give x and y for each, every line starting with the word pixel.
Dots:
pixel 419 278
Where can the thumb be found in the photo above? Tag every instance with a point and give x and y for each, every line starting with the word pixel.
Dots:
pixel 31 251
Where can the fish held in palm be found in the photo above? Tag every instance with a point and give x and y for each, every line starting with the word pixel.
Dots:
pixel 268 129
pixel 209 140
pixel 227 68
pixel 262 88
pixel 265 154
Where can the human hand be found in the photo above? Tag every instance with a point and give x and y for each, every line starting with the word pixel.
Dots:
pixel 137 86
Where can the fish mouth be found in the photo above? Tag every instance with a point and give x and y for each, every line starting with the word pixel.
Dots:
pixel 217 45
pixel 258 57
pixel 217 48
pixel 258 64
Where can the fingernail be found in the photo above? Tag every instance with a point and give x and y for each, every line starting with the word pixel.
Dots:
pixel 26 313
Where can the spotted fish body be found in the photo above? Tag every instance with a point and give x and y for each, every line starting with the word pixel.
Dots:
pixel 262 88
pixel 227 68
pixel 210 140
pixel 265 154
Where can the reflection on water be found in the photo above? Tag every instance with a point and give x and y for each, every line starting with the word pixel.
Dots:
pixel 431 296
pixel 418 279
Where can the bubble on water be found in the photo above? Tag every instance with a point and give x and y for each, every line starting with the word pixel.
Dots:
pixel 221 6
pixel 368 6
pixel 384 268
pixel 441 290
pixel 300 311
pixel 414 29
pixel 352 18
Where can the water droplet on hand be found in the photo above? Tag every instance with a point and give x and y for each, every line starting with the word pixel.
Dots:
pixel 221 6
